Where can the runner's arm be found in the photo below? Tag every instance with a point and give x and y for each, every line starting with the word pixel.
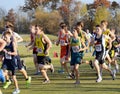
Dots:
pixel 84 46
pixel 2 44
pixel 49 43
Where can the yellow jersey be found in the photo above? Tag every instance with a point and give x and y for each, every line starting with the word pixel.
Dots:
pixel 106 32
pixel 41 47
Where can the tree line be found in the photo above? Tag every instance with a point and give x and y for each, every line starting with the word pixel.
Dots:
pixel 49 13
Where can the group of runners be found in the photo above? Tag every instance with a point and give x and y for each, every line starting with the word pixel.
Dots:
pixel 10 59
pixel 72 45
pixel 104 41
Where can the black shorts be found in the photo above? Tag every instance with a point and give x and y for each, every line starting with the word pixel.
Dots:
pixel 9 64
pixel 43 60
pixel 18 62
pixel 99 57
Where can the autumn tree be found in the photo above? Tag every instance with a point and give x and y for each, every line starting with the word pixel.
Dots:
pixel 33 4
pixel 11 16
pixel 115 11
pixel 2 17
pixel 49 21
pixel 104 3
pixel 72 11
pixel 101 14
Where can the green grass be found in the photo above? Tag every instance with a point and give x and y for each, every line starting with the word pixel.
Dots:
pixel 59 83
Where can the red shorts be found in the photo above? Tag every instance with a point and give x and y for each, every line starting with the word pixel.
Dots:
pixel 64 51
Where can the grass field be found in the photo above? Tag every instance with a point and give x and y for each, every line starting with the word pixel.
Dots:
pixel 59 83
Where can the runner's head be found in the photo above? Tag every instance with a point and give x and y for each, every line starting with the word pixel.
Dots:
pixel 104 23
pixel 63 25
pixel 80 25
pixel 98 30
pixel 9 25
pixel 7 36
pixel 75 32
pixel 38 29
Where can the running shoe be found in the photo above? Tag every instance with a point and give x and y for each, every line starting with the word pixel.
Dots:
pixel 99 79
pixel 16 91
pixel 77 83
pixel 28 82
pixel 72 75
pixel 7 84
pixel 46 81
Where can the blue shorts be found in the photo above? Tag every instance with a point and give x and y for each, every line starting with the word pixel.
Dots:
pixel 2 77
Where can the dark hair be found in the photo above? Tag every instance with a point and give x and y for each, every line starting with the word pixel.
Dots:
pixel 80 24
pixel 62 25
pixel 9 25
pixel 75 28
pixel 7 32
pixel 97 25
pixel 39 26
pixel 103 21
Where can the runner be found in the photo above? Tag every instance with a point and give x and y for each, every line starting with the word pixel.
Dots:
pixel 9 60
pixel 76 55
pixel 16 38
pixel 82 34
pixel 63 40
pixel 32 36
pixel 108 46
pixel 114 51
pixel 99 43
pixel 43 45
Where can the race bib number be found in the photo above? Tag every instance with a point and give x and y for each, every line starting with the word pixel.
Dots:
pixel 7 56
pixel 75 49
pixel 39 50
pixel 62 42
pixel 98 47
